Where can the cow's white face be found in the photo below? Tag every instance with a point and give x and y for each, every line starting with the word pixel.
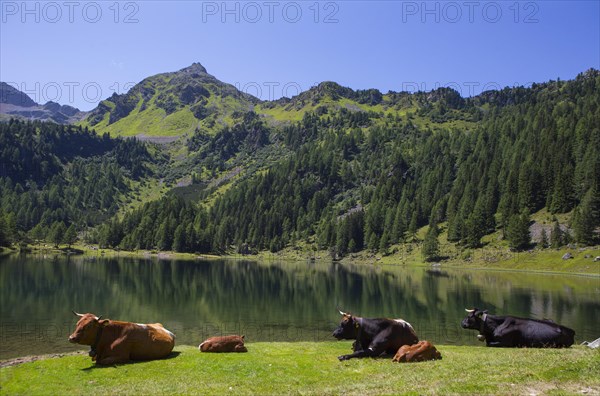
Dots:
pixel 85 330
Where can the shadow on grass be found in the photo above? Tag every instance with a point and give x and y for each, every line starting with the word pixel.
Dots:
pixel 95 366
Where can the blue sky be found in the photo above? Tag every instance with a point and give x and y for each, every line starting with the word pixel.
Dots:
pixel 80 52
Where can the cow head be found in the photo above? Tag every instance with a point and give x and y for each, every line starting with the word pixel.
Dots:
pixel 86 329
pixel 474 319
pixel 348 327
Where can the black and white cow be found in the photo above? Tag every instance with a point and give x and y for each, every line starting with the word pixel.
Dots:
pixel 374 337
pixel 510 331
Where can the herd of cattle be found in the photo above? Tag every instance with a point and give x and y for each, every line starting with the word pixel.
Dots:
pixel 114 341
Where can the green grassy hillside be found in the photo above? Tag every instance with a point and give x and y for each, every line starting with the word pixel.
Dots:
pixel 178 103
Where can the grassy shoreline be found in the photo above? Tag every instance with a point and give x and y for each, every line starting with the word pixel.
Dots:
pixel 312 368
pixel 541 261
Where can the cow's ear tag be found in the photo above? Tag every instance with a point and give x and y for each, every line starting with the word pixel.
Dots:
pixel 356 325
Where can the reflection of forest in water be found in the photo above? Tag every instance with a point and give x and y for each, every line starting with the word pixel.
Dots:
pixel 279 302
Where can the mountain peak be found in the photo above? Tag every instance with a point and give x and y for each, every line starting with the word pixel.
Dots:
pixel 15 103
pixel 11 95
pixel 186 98
pixel 195 67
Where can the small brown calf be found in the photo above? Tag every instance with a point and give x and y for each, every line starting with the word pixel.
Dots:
pixel 418 352
pixel 232 343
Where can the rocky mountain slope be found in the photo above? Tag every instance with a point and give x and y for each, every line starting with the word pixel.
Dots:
pixel 16 104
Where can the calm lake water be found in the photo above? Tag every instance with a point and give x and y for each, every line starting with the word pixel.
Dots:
pixel 269 302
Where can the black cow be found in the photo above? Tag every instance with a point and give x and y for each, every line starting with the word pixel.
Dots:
pixel 374 337
pixel 510 331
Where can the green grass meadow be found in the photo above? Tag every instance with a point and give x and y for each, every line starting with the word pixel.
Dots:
pixel 313 369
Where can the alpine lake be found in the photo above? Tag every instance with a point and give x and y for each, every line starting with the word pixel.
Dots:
pixel 270 301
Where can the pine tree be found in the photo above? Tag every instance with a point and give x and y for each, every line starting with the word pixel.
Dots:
pixel 562 198
pixel 114 233
pixel 543 239
pixel 342 238
pixel 70 236
pixel 556 237
pixel 431 246
pixel 518 234
pixel 11 227
pixel 352 246
pixel 4 233
pixel 584 219
pixel 475 226
pixel 179 239
pixel 163 239
pixel 412 227
pixel 38 233
pixel 103 233
pixel 373 242
pixel 57 233
pixel 398 227
pixel 384 242
pixel 324 232
pixel 276 245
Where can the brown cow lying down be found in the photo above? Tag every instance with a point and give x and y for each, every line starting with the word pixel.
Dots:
pixel 232 343
pixel 418 352
pixel 119 342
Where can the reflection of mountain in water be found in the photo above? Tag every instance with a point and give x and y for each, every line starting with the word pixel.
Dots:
pixel 281 301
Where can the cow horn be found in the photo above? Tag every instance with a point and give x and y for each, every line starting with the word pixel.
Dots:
pixel 470 310
pixel 77 314
pixel 342 313
pixel 98 317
